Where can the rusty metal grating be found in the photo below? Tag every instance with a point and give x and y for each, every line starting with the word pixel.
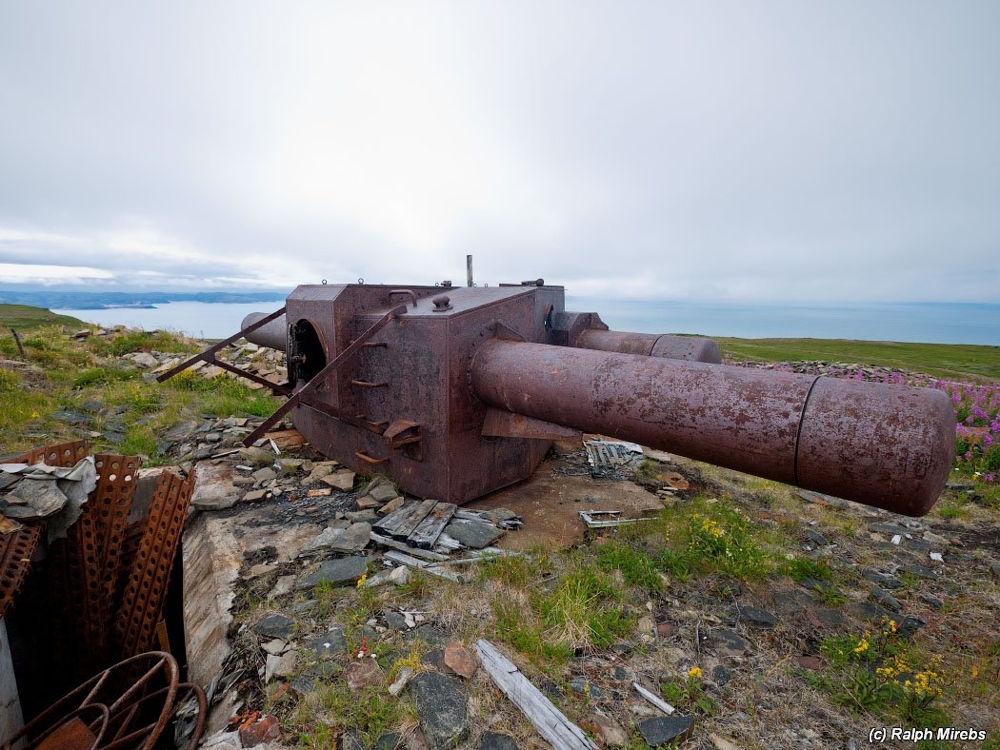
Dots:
pixel 146 590
pixel 61 454
pixel 15 561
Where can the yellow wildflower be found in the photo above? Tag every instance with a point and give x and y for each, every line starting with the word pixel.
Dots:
pixel 361 581
pixel 694 673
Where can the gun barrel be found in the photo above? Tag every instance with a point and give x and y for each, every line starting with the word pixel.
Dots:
pixel 885 445
pixel 652 344
pixel 273 334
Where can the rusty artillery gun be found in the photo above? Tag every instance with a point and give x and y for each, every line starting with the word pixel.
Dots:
pixel 454 392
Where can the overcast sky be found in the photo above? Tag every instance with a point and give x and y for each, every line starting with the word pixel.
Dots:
pixel 804 151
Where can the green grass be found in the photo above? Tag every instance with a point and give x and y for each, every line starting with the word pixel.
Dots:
pixel 940 360
pixel 25 317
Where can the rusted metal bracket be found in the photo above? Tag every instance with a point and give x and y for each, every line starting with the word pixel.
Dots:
pixel 406 435
pixel 332 366
pixel 209 356
pixel 16 549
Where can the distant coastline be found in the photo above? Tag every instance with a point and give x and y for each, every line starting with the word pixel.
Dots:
pixel 912 322
pixel 145 300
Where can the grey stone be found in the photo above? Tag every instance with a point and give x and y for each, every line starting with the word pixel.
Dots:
pixel 213 488
pixel 366 515
pixel 831 618
pixel 881 579
pixel 720 675
pixel 330 644
pixel 727 641
pixel 497 515
pixel 816 538
pixel 585 687
pixel 382 490
pixel 341 480
pixel 145 359
pixel 441 708
pixel 758 618
pixel 931 600
pixel 391 741
pixel 430 635
pixel 394 620
pixel 284 585
pixel 921 571
pixel 264 475
pixel 341 570
pixel 910 625
pixel 883 598
pixel 494 741
pixel 275 625
pixel 352 539
pixel 663 729
pixel 474 534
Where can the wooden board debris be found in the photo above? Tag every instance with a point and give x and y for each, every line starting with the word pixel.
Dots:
pixel 401 524
pixel 286 439
pixel 402 547
pixel 654 699
pixel 428 530
pixel 548 720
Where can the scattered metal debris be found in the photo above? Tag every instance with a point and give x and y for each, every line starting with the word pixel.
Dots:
pixel 125 707
pixel 602 519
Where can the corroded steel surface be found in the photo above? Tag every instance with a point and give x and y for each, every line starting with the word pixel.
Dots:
pixel 146 588
pixel 125 707
pixel 16 549
pixel 87 564
pixel 61 454
pixel 460 393
pixel 691 348
pixel 885 446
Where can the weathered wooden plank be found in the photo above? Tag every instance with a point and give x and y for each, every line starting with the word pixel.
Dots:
pixel 431 527
pixel 401 524
pixel 548 720
pixel 654 699
pixel 422 553
pixel 392 520
pixel 411 523
pixel 413 562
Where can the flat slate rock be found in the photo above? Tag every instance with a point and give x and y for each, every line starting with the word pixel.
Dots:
pixel 663 729
pixel 354 538
pixel 494 741
pixel 214 488
pixel 275 625
pixel 391 741
pixel 758 618
pixel 341 570
pixel 330 644
pixel 473 534
pixel 883 598
pixel 727 641
pixel 441 708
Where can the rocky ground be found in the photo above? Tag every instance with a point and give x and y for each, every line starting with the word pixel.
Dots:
pixel 307 558
pixel 310 633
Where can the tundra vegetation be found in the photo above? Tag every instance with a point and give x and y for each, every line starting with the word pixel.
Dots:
pixel 643 601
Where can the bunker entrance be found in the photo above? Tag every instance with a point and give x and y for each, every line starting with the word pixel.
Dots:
pixel 306 357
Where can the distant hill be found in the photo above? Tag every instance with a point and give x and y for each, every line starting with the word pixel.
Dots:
pixel 21 317
pixel 72 300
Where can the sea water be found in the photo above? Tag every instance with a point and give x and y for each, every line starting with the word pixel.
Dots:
pixel 939 323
